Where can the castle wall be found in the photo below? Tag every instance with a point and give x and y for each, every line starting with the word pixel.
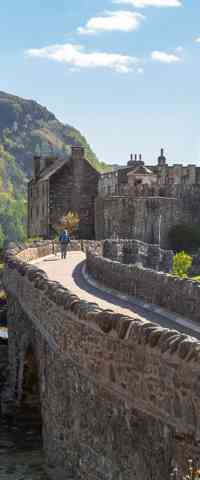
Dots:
pixel 134 251
pixel 120 398
pixel 147 219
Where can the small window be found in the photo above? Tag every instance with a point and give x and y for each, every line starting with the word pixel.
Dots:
pixel 31 213
pixel 43 210
pixel 37 211
pixel 43 188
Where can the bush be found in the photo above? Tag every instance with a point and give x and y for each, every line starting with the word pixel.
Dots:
pixel 70 221
pixel 184 237
pixel 181 264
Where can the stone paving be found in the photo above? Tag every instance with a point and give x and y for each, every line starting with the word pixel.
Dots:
pixel 69 273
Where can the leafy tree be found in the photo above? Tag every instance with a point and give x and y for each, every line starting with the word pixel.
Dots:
pixel 181 264
pixel 184 237
pixel 2 238
pixel 192 473
pixel 70 221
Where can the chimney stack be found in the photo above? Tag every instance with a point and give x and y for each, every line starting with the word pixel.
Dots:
pixel 135 157
pixel 140 157
pixel 131 157
pixel 78 152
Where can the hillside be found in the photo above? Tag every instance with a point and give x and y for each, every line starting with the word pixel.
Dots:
pixel 27 128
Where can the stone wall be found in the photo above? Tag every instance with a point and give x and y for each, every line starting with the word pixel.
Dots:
pixel 134 251
pixel 148 219
pixel 74 188
pixel 119 397
pixel 176 294
pixel 3 364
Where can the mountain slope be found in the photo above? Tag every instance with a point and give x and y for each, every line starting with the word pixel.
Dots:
pixel 27 128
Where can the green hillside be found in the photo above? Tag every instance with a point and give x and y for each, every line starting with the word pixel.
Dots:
pixel 27 128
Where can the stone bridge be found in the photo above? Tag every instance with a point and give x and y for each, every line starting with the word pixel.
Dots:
pixel 119 395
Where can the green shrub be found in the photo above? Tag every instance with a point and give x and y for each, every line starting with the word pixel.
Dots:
pixel 181 264
pixel 184 237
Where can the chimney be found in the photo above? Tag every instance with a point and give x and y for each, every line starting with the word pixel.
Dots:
pixel 135 157
pixel 78 152
pixel 131 157
pixel 140 157
pixel 36 166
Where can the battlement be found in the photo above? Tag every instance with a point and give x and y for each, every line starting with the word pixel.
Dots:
pixel 136 179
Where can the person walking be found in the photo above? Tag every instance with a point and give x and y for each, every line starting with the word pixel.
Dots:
pixel 64 240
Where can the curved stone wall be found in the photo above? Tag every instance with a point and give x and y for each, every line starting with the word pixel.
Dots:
pixel 119 397
pixel 178 295
pixel 134 251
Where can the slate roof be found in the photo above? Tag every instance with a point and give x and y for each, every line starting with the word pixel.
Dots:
pixel 46 173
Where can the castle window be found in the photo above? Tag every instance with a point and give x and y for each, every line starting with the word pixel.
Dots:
pixel 43 210
pixel 43 188
pixel 37 211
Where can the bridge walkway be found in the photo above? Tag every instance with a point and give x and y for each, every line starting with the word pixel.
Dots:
pixel 69 273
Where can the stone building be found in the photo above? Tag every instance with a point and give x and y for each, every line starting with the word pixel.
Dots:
pixel 134 201
pixel 144 203
pixel 59 186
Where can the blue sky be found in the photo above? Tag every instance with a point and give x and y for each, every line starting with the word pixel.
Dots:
pixel 125 72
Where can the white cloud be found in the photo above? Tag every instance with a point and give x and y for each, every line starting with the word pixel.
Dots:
pixel 165 57
pixel 123 21
pixel 198 40
pixel 76 57
pixel 140 71
pixel 180 49
pixel 150 3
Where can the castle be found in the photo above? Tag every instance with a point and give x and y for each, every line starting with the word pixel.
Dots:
pixel 134 201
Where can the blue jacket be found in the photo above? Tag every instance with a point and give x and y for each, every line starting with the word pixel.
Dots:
pixel 64 237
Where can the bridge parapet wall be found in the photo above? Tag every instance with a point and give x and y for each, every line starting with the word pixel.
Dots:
pixel 178 295
pixel 155 367
pixel 100 368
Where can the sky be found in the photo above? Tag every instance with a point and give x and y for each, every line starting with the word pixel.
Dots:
pixel 124 72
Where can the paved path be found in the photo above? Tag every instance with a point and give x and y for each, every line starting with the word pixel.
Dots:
pixel 69 273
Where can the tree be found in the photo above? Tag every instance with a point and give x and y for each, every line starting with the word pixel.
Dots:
pixel 181 264
pixel 192 473
pixel 2 237
pixel 70 221
pixel 184 237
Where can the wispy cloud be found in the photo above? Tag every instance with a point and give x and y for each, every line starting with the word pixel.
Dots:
pixel 165 57
pixel 197 40
pixel 76 57
pixel 121 21
pixel 150 3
